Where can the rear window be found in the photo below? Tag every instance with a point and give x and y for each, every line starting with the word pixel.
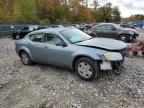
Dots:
pixel 37 38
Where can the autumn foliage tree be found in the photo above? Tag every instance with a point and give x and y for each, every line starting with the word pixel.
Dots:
pixel 9 11
pixel 138 17
pixel 56 12
pixel 107 13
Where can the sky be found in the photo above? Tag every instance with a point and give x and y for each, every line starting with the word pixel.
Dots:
pixel 127 7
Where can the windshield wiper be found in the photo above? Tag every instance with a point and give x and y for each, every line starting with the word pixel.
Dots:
pixel 90 38
pixel 79 41
pixel 83 40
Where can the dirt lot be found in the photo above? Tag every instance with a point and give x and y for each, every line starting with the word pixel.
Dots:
pixel 43 86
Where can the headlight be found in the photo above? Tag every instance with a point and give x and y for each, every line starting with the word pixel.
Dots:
pixel 112 56
pixel 130 32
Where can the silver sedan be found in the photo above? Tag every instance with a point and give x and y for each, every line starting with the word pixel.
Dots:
pixel 72 48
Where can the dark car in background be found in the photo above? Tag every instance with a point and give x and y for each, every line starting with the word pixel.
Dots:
pixel 126 25
pixel 6 30
pixel 139 24
pixel 112 30
pixel 19 34
pixel 85 27
pixel 55 26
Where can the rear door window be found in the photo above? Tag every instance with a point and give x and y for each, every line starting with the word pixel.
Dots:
pixel 107 27
pixel 37 38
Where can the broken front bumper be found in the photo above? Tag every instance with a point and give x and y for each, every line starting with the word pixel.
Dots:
pixel 110 65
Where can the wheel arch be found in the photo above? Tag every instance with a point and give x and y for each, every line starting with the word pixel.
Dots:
pixel 21 51
pixel 27 51
pixel 125 34
pixel 80 56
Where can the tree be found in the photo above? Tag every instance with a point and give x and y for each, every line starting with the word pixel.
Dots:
pixel 46 9
pixel 107 13
pixel 28 11
pixel 61 14
pixel 57 12
pixel 116 14
pixel 137 17
pixel 84 15
pixel 95 4
pixel 9 11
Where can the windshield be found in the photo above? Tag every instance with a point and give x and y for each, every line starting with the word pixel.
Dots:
pixel 117 26
pixel 75 36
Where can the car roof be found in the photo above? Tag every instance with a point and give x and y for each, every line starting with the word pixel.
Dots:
pixel 51 30
pixel 106 24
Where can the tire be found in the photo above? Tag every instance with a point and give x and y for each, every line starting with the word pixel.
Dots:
pixel 123 37
pixel 135 53
pixel 142 51
pixel 86 68
pixel 25 58
pixel 117 68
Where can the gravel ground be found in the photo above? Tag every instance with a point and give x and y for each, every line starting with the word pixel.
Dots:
pixel 43 86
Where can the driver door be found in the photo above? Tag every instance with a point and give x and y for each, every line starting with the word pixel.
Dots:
pixel 56 54
pixel 108 31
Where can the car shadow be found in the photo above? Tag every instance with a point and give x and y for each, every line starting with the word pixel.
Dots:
pixel 62 72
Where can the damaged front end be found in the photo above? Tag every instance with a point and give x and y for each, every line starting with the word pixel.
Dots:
pixel 113 61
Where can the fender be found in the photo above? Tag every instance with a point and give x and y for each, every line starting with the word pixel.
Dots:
pixel 27 50
pixel 94 56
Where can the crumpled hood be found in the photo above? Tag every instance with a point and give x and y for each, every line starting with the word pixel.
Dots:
pixel 129 29
pixel 104 43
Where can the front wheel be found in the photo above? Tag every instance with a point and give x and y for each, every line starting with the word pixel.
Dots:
pixel 117 67
pixel 86 68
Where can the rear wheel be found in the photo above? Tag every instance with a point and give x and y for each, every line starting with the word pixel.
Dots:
pixel 25 58
pixel 135 53
pixel 86 68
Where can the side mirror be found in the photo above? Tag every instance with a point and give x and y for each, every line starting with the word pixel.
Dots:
pixel 61 43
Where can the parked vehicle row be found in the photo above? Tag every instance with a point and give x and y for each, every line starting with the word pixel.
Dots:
pixel 111 30
pixel 25 30
pixel 106 30
pixel 138 24
pixel 74 49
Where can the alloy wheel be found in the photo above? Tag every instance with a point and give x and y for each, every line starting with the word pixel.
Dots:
pixel 84 69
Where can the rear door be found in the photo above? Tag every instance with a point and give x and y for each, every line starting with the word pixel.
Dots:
pixel 108 31
pixel 38 47
pixel 97 31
